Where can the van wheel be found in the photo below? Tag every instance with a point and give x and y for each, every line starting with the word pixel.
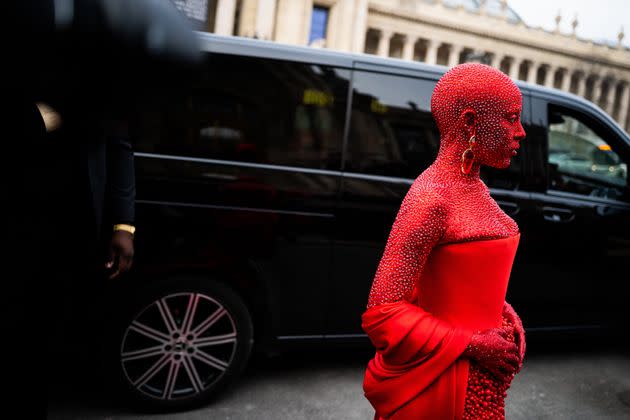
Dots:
pixel 185 340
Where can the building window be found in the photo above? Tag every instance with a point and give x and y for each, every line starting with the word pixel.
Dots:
pixel 319 22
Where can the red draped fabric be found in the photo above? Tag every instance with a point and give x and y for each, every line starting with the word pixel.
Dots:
pixel 414 350
pixel 417 372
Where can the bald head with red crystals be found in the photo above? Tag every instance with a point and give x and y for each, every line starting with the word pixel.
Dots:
pixel 476 99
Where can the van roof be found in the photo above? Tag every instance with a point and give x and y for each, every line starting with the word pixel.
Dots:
pixel 270 49
pixel 261 48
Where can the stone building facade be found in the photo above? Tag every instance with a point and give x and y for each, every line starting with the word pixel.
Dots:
pixel 445 32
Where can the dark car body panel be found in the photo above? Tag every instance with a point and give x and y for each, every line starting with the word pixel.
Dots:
pixel 301 242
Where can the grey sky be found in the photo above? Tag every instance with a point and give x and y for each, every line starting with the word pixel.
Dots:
pixel 597 19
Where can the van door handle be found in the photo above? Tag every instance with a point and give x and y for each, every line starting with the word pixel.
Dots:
pixel 558 215
pixel 509 207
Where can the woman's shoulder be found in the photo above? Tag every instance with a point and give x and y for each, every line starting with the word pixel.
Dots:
pixel 430 189
pixel 425 197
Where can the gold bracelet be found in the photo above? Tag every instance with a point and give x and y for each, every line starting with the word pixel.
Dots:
pixel 127 228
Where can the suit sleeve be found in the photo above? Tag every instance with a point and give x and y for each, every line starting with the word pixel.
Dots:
pixel 121 182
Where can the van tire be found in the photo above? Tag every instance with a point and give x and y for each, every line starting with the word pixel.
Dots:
pixel 201 369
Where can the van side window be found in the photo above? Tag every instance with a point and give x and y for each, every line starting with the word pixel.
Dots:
pixel 581 161
pixel 254 110
pixel 392 132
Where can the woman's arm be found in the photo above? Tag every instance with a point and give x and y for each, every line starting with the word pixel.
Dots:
pixel 419 225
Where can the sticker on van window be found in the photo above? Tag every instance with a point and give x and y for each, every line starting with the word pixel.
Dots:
pixel 317 97
pixel 378 107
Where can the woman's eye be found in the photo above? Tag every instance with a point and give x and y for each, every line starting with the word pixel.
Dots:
pixel 512 119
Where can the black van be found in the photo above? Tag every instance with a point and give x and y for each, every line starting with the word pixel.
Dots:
pixel 268 183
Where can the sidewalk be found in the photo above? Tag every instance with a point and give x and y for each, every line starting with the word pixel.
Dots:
pixel 327 385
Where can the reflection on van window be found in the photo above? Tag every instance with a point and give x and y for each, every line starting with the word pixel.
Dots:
pixel 392 131
pixel 254 110
pixel 580 161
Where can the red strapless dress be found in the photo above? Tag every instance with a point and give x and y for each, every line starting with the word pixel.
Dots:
pixel 417 372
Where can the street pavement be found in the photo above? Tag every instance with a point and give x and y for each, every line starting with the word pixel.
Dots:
pixel 574 382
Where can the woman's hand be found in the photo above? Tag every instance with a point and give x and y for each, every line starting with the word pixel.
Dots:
pixel 519 332
pixel 492 350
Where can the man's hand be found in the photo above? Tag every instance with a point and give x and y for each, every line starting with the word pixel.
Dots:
pixel 120 253
pixel 519 332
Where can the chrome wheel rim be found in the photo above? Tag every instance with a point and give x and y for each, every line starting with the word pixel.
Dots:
pixel 178 346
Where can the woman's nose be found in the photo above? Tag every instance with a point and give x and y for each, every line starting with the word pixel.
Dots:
pixel 520 134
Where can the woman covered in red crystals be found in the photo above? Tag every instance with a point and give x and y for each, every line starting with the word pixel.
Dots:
pixel 447 343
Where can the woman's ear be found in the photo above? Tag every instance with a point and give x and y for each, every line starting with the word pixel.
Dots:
pixel 469 118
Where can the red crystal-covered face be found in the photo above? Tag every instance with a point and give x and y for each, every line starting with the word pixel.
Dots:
pixel 476 99
pixel 499 133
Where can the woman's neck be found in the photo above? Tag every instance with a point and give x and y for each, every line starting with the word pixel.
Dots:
pixel 449 162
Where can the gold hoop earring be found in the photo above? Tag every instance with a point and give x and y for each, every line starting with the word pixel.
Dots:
pixel 468 156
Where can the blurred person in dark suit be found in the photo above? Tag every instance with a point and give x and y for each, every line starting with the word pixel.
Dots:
pixel 69 193
pixel 92 221
pixel 70 216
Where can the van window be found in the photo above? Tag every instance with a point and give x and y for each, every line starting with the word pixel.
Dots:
pixel 392 131
pixel 580 159
pixel 254 110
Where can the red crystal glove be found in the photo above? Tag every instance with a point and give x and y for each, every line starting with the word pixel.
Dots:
pixel 493 351
pixel 519 332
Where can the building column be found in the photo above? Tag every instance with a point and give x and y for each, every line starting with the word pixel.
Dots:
pixel 292 21
pixel 432 49
pixel 496 60
pixel 453 55
pixel 224 19
pixel 623 105
pixel 581 86
pixel 341 21
pixel 597 91
pixel 610 98
pixel 247 18
pixel 409 47
pixel 531 73
pixel 549 76
pixel 265 18
pixel 383 43
pixel 360 26
pixel 514 67
pixel 566 80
